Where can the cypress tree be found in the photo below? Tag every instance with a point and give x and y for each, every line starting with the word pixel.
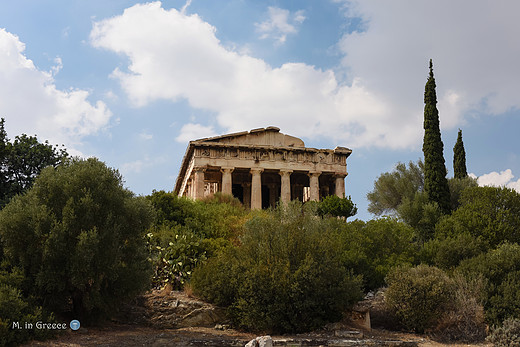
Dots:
pixel 435 182
pixel 459 158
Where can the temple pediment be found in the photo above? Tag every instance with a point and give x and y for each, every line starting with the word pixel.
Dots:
pixel 269 136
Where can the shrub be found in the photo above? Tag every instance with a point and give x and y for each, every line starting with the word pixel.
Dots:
pixel 78 237
pixel 447 252
pixel 464 320
pixel 176 254
pixel 15 309
pixel 507 335
pixel 219 216
pixel 188 232
pixel 501 270
pixel 419 296
pixel 285 276
pixel 372 248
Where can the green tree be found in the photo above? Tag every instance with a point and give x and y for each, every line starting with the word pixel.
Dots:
pixel 459 158
pixel 335 206
pixel 22 160
pixel 435 182
pixel 78 237
pixel 391 188
pixel 488 213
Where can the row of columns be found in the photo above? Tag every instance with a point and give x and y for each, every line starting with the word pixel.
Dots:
pixel 256 185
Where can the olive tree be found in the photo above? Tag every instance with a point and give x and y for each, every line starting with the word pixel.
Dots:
pixel 78 236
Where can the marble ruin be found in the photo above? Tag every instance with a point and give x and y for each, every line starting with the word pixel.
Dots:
pixel 260 168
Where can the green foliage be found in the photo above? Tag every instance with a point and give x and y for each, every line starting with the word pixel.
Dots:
pixel 286 275
pixel 419 296
pixel 464 318
pixel 435 182
pixel 457 186
pixel 372 248
pixel 14 308
pixel 501 270
pixel 335 206
pixel 22 160
pixel 174 260
pixel 78 237
pixel 446 252
pixel 459 158
pixel 210 218
pixel 421 214
pixel 391 188
pixel 488 213
pixel 188 232
pixel 507 335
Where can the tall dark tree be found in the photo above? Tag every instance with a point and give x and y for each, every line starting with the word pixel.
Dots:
pixel 459 158
pixel 435 182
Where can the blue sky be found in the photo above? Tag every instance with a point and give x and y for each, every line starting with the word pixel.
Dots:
pixel 132 82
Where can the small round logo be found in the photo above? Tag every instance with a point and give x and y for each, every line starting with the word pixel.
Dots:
pixel 74 324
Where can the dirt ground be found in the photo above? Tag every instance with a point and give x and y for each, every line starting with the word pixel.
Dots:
pixel 141 325
pixel 132 335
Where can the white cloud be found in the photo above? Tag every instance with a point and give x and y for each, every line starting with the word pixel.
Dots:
pixel 498 179
pixel 174 56
pixel 475 59
pixel 193 131
pixel 145 136
pixel 138 166
pixel 280 24
pixel 31 103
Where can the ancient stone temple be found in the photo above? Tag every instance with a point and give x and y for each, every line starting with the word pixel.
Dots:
pixel 261 167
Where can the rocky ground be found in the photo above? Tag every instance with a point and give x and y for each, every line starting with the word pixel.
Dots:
pixel 169 318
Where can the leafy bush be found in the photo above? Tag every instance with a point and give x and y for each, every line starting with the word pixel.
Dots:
pixel 372 248
pixel 501 270
pixel 447 252
pixel 286 275
pixel 489 213
pixel 419 296
pixel 181 253
pixel 15 309
pixel 78 237
pixel 507 335
pixel 188 232
pixel 216 217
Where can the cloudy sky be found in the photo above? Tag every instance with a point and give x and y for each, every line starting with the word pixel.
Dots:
pixel 132 82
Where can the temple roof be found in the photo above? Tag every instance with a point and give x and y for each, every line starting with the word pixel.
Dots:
pixel 269 136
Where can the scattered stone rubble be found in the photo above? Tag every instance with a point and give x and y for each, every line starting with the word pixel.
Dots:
pixel 169 309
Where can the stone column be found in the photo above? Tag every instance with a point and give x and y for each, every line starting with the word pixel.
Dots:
pixel 227 181
pixel 285 193
pixel 340 184
pixel 246 194
pixel 314 184
pixel 198 184
pixel 256 188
